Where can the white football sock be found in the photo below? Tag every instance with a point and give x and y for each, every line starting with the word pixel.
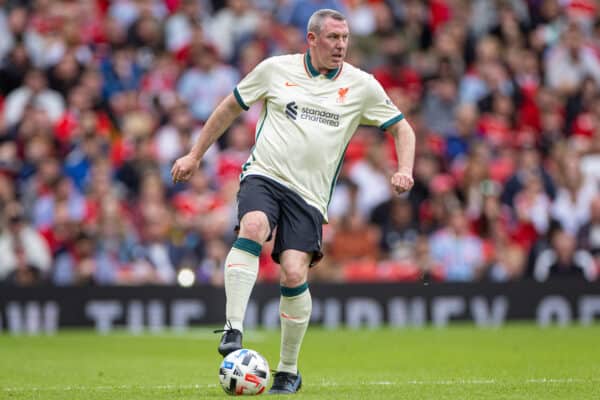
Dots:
pixel 241 270
pixel 295 307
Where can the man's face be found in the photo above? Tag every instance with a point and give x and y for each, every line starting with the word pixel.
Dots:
pixel 328 47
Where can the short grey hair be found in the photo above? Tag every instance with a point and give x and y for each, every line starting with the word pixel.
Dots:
pixel 315 23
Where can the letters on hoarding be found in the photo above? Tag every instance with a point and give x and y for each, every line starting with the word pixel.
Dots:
pixel 154 309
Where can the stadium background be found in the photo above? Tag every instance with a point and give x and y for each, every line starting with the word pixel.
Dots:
pixel 98 98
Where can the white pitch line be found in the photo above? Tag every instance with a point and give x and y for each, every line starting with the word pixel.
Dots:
pixel 445 382
pixel 565 380
pixel 108 388
pixel 185 335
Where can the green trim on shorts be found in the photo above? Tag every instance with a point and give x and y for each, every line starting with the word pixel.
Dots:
pixel 291 292
pixel 247 245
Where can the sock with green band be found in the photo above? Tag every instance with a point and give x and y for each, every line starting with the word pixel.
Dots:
pixel 241 270
pixel 295 307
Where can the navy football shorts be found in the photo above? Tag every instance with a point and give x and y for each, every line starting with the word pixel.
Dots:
pixel 299 225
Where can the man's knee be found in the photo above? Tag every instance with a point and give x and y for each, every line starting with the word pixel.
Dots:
pixel 294 268
pixel 255 226
pixel 293 277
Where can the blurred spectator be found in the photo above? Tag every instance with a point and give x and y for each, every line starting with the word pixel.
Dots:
pixel 439 105
pixel 549 21
pixel 574 196
pixel 297 12
pixel 570 62
pixel 179 27
pixel 79 161
pixel 40 183
pixel 371 176
pixel 463 131
pixel 13 69
pixel 583 109
pixel 442 196
pixel 117 240
pixel 427 166
pixel 237 151
pixel 147 38
pixel 588 237
pixel 564 259
pixel 175 136
pixel 344 198
pixel 141 158
pixel 61 234
pixel 510 22
pixel 487 16
pixel 528 164
pixel 121 73
pixel 354 240
pixel 428 267
pixel 158 86
pixel 414 15
pixel 395 72
pixel 486 74
pixel 361 17
pixel 474 177
pixel 128 11
pixel 230 24
pixel 10 164
pixel 262 41
pixel 210 269
pixel 399 231
pixel 25 258
pixel 33 93
pixel 497 120
pixel 7 189
pixel 531 208
pixel 62 191
pixel 81 264
pixel 65 75
pixel 457 250
pixel 15 29
pixel 509 264
pixel 206 82
pixel 154 258
pixel 99 189
pixel 590 159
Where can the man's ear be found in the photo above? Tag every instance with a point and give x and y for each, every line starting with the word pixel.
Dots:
pixel 311 37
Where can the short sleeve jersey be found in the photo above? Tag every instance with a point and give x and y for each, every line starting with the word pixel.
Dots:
pixel 307 121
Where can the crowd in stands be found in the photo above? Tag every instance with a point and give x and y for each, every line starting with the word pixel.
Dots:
pixel 99 97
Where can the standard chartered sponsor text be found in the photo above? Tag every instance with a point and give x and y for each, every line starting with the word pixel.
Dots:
pixel 320 116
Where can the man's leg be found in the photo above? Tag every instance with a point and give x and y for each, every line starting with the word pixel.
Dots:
pixel 294 311
pixel 241 270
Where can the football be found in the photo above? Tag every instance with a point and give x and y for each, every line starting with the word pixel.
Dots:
pixel 244 372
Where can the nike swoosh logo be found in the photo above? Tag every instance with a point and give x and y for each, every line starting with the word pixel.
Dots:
pixel 284 315
pixel 289 84
pixel 236 265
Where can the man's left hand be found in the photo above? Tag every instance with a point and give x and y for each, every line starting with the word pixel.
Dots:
pixel 402 182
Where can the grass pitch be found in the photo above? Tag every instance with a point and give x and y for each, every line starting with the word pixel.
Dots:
pixel 460 362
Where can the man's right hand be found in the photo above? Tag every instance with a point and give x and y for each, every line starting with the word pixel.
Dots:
pixel 184 168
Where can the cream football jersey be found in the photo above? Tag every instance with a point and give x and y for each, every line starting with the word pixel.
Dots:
pixel 308 120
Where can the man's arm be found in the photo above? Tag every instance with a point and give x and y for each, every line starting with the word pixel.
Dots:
pixel 221 118
pixel 404 140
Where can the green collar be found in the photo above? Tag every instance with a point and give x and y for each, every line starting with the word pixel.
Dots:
pixel 313 72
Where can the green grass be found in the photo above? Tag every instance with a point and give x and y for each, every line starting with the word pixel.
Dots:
pixel 460 362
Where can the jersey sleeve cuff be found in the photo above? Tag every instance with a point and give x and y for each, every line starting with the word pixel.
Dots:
pixel 236 93
pixel 391 122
